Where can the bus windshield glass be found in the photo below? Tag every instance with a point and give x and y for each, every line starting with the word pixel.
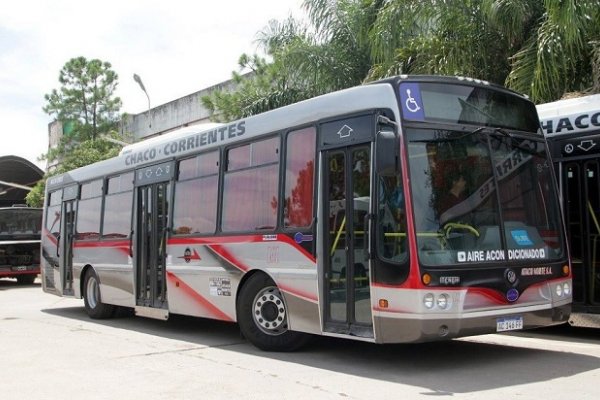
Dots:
pixel 482 196
pixel 20 221
pixel 462 104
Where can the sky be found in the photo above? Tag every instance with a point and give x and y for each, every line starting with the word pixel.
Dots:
pixel 177 47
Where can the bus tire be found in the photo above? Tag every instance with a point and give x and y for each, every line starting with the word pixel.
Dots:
pixel 26 279
pixel 92 299
pixel 262 316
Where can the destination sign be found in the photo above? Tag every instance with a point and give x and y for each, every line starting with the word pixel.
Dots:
pixel 500 255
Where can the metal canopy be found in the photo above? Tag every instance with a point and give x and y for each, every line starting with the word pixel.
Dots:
pixel 16 174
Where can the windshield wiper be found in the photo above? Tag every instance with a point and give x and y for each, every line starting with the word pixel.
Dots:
pixel 504 132
pixel 528 148
pixel 451 138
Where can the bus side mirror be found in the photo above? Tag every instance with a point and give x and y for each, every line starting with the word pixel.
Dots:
pixel 387 147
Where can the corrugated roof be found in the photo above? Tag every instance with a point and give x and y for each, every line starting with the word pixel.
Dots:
pixel 19 171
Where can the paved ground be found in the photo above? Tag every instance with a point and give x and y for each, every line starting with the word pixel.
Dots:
pixel 52 350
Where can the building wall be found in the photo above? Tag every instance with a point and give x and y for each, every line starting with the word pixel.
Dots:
pixel 182 112
pixel 55 132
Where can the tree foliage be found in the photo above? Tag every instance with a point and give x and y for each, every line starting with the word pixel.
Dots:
pixel 87 105
pixel 86 97
pixel 559 54
pixel 543 48
pixel 302 61
pixel 82 154
pixel 450 37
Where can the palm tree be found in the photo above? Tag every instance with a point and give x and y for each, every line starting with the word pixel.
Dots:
pixel 558 45
pixel 332 52
pixel 543 48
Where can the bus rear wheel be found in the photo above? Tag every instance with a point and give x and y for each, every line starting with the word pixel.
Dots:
pixel 92 298
pixel 26 279
pixel 262 316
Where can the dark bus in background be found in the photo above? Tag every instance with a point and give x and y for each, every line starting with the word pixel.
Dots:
pixel 20 231
pixel 572 128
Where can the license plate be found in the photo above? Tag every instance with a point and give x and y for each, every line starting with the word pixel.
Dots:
pixel 509 324
pixel 20 268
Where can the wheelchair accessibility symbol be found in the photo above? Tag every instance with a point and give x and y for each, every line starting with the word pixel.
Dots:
pixel 411 103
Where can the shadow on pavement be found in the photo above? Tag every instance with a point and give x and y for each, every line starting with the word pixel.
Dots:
pixel 443 368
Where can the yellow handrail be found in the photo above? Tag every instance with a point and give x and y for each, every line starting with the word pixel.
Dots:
pixel 337 237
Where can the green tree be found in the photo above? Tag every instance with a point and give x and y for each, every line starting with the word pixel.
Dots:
pixel 543 48
pixel 85 153
pixel 557 45
pixel 446 37
pixel 302 61
pixel 86 103
pixel 86 97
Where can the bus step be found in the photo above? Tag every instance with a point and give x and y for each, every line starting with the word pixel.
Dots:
pixel 150 312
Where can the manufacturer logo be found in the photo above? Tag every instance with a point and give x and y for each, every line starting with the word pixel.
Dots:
pixel 512 295
pixel 511 276
pixel 189 256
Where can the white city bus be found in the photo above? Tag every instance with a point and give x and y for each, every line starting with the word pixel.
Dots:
pixel 331 216
pixel 572 127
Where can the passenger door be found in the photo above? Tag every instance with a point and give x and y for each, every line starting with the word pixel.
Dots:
pixel 581 181
pixel 69 209
pixel 63 275
pixel 346 199
pixel 153 194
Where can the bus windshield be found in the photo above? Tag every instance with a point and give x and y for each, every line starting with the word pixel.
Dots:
pixel 464 104
pixel 20 221
pixel 482 196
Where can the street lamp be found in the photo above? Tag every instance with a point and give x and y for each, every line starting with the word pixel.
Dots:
pixel 137 78
pixel 113 140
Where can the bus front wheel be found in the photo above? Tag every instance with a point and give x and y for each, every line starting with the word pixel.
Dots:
pixel 92 298
pixel 262 316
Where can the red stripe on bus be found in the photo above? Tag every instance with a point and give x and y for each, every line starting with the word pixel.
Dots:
pixel 403 285
pixel 489 294
pixel 104 243
pixel 393 310
pixel 227 256
pixel 201 300
pixel 122 245
pixel 242 239
pixel 306 296
pixel 218 240
pixel 50 237
pixel 288 240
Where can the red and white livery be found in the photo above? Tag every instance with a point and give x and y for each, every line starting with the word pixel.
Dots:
pixel 411 209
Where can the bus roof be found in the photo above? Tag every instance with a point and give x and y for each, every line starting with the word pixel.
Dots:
pixel 581 114
pixel 199 138
pixel 168 136
pixel 187 141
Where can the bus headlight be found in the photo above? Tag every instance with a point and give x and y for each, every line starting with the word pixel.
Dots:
pixel 559 290
pixel 443 301
pixel 428 301
pixel 567 289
